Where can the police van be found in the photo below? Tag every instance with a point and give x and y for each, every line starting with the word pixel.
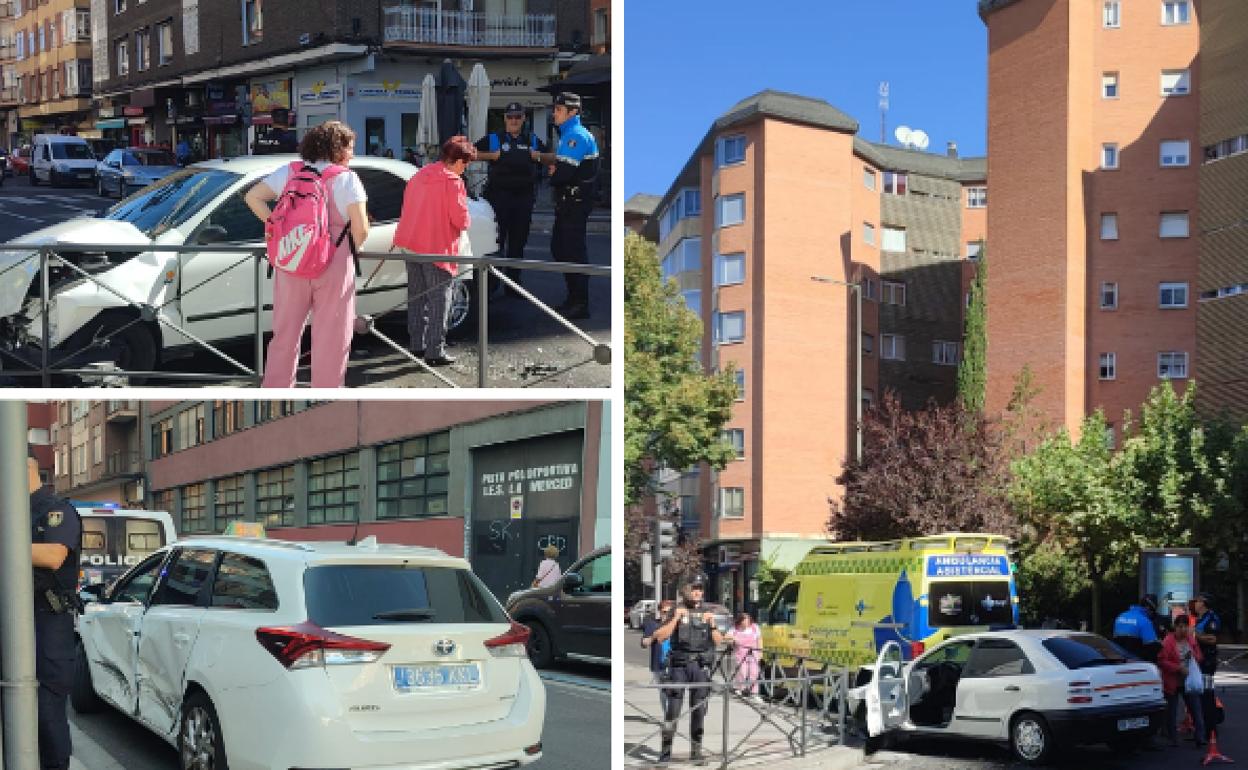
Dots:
pixel 845 601
pixel 114 539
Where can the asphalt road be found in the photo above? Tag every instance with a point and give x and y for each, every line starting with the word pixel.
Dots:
pixel 577 731
pixel 527 348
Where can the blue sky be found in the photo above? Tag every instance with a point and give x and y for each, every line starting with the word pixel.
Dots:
pixel 687 61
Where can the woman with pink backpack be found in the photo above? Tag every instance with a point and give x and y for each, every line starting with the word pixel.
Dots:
pixel 312 234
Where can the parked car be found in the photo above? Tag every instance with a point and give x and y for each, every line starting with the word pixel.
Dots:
pixel 201 204
pixel 1033 690
pixel 114 539
pixel 61 160
pixel 5 168
pixel 19 161
pixel 273 654
pixel 122 172
pixel 572 618
pixel 643 609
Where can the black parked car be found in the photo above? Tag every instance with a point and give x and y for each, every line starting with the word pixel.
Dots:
pixel 571 619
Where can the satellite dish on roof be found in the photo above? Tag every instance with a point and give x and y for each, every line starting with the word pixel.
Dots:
pixel 903 135
pixel 920 139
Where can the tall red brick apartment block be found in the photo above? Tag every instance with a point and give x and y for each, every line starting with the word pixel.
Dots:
pixel 1117 238
pixel 779 190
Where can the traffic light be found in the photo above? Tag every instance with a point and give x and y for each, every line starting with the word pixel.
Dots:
pixel 667 538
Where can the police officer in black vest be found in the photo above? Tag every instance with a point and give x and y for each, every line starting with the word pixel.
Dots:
pixel 694 639
pixel 56 541
pixel 510 188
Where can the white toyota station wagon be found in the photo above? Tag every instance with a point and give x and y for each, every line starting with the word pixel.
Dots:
pixel 256 654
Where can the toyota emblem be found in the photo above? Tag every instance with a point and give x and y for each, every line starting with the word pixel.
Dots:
pixel 444 647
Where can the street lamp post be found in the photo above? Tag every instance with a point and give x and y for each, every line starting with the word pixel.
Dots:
pixel 856 288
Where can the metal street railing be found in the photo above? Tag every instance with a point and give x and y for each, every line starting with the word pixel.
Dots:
pixel 49 361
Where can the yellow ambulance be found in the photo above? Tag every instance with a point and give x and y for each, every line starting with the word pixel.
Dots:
pixel 844 601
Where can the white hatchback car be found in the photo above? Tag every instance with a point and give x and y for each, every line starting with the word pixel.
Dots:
pixel 256 654
pixel 211 295
pixel 1035 690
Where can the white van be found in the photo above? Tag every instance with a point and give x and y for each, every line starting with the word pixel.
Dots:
pixel 59 160
pixel 114 539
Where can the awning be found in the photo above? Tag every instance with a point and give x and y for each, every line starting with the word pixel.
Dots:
pixel 595 71
pixel 273 63
pixel 111 123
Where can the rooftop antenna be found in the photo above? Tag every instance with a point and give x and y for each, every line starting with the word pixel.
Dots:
pixel 883 109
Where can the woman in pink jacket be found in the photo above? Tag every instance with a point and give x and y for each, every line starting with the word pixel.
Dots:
pixel 747 644
pixel 435 213
pixel 1179 654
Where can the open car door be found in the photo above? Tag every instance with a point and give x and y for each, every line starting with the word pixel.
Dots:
pixel 886 696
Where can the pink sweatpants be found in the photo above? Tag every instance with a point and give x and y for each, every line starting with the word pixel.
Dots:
pixel 331 300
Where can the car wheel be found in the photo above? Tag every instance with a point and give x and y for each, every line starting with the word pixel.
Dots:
pixel 134 346
pixel 541 649
pixel 83 696
pixel 461 319
pixel 201 746
pixel 1030 739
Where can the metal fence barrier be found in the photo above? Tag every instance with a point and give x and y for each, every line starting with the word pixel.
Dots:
pixel 803 701
pixel 144 312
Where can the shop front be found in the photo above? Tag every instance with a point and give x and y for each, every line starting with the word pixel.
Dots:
pixel 224 133
pixel 319 97
pixel 272 118
pixel 184 114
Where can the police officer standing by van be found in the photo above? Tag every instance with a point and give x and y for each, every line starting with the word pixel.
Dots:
pixel 694 639
pixel 56 539
pixel 510 185
pixel 573 176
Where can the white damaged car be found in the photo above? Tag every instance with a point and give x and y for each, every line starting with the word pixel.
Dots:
pixel 209 295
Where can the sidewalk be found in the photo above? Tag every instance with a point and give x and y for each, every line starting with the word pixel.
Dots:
pixel 749 744
pixel 544 220
pixel 88 755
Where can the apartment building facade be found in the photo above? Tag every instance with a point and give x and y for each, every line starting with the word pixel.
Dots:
pixel 491 481
pixel 744 231
pixel 96 450
pixel 1094 159
pixel 52 49
pixel 8 73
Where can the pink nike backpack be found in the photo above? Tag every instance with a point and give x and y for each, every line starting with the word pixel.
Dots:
pixel 299 239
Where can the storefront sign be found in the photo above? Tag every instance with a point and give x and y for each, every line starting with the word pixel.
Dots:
pixel 321 93
pixel 106 112
pixel 270 95
pixel 510 84
pixel 214 92
pixel 388 91
pixel 133 112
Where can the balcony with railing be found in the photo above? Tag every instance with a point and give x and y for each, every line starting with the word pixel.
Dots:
pixel 121 411
pixel 121 463
pixel 8 96
pixel 6 9
pixel 468 29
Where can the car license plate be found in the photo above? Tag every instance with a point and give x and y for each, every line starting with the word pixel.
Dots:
pixel 457 676
pixel 1135 723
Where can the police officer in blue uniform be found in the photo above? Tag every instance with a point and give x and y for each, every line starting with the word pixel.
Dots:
pixel 694 638
pixel 1135 629
pixel 510 188
pixel 573 176
pixel 56 540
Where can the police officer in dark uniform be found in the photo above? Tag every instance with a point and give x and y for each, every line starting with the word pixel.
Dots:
pixel 56 540
pixel 510 186
pixel 573 176
pixel 694 639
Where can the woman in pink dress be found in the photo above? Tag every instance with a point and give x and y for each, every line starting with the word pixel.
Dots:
pixel 747 646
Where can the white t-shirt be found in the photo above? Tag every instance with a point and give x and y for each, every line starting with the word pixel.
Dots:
pixel 548 573
pixel 344 190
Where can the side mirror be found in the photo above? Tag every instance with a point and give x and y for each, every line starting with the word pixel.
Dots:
pixel 211 234
pixel 573 581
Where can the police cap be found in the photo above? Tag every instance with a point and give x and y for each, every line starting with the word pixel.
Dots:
pixel 569 100
pixel 1149 601
pixel 514 108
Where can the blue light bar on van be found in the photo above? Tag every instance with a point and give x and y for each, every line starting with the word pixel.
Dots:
pixel 85 504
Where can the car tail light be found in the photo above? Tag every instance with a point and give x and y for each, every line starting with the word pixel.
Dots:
pixel 307 645
pixel 1079 692
pixel 513 643
pixel 916 649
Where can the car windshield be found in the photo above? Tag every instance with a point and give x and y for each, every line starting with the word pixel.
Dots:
pixel 71 151
pixel 172 200
pixel 148 159
pixel 1086 650
pixel 369 595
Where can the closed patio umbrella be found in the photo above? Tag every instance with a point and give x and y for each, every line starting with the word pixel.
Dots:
pixel 478 111
pixel 452 88
pixel 427 125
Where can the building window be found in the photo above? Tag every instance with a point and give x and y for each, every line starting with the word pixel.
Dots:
pixel 143 49
pixel 119 6
pixel 227 417
pixel 1172 365
pixel 1175 152
pixel 275 497
pixel 738 377
pixel 893 293
pixel 162 438
pixel 334 489
pixel 868 399
pixel 868 233
pixel 1109 366
pixel 1176 12
pixel 1109 156
pixel 945 353
pixel 892 347
pixel 228 501
pixel 1112 18
pixel 1174 224
pixel 1173 295
pixel 273 410
pixel 729 269
pixel 1109 227
pixel 123 58
pixel 194 518
pixel 413 476
pixel 868 344
pixel 190 427
pixel 894 239
pixel 691 201
pixel 1109 85
pixel 1176 82
pixel 685 257
pixel 731 502
pixel 974 249
pixel 868 178
pixel 894 184
pixel 730 210
pixel 163 500
pixel 253 21
pixel 736 437
pixel 730 327
pixel 164 42
pixel 730 150
pixel 977 197
pixel 693 300
pixel 1109 296
pixel 868 288
pixel 1216 151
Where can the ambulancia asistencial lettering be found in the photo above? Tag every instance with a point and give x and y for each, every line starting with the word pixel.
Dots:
pixel 966 565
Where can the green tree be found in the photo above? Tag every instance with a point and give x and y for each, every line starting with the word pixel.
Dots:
pixel 973 369
pixel 770 578
pixel 674 413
